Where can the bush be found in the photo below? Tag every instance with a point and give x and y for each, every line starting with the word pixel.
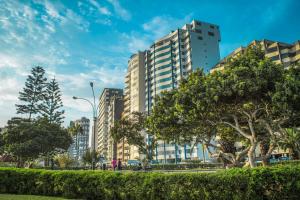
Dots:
pixel 187 166
pixel 260 183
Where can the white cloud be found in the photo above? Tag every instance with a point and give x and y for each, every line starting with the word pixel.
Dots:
pixel 134 42
pixel 101 9
pixel 51 10
pixel 73 18
pixel 9 88
pixel 8 61
pixel 29 38
pixel 162 25
pixel 120 11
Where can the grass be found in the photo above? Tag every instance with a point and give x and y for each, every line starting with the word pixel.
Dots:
pixel 26 197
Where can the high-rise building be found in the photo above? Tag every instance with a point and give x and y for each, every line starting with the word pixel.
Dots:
pixel 279 52
pixel 81 139
pixel 134 91
pixel 102 124
pixel 169 60
pixel 134 99
pixel 115 110
pixel 174 56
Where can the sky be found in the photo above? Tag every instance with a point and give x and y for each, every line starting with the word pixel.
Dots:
pixel 91 40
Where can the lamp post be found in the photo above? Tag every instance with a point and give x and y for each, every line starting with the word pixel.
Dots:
pixel 94 108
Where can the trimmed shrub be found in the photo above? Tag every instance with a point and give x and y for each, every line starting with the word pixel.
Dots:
pixel 187 166
pixel 281 182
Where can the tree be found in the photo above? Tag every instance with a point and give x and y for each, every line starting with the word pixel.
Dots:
pixel 33 92
pixel 53 139
pixel 18 140
pixel 291 142
pixel 1 142
pixel 52 103
pixel 185 116
pixel 64 161
pixel 250 101
pixel 87 157
pixel 27 140
pixel 131 130
pixel 164 123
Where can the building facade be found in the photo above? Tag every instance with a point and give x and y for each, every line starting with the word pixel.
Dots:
pixel 134 99
pixel 279 52
pixel 174 56
pixel 115 110
pixel 80 141
pixel 102 124
pixel 171 59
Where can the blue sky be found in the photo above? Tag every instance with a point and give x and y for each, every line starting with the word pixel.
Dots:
pixel 89 40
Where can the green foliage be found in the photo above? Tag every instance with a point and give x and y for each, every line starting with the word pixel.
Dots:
pixel 27 197
pixel 187 166
pixel 52 103
pixel 33 92
pixel 87 157
pixel 131 130
pixel 291 142
pixel 250 101
pixel 64 161
pixel 259 183
pixel 27 140
pixel 164 122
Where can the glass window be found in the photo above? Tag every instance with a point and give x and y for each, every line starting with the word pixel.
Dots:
pixel 210 33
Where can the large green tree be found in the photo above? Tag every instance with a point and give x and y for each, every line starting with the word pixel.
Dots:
pixel 251 101
pixel 51 107
pixel 27 140
pixel 33 93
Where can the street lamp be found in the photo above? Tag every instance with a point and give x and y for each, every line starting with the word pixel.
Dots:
pixel 95 108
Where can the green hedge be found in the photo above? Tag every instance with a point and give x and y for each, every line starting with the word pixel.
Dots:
pixel 187 166
pixel 260 183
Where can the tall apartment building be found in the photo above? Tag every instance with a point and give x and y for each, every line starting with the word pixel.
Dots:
pixel 171 59
pixel 279 52
pixel 134 99
pixel 81 140
pixel 174 56
pixel 102 124
pixel 115 110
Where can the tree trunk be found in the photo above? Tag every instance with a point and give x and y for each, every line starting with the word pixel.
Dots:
pixel 251 154
pixel 264 147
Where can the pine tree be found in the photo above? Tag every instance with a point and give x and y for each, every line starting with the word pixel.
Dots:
pixel 52 103
pixel 33 92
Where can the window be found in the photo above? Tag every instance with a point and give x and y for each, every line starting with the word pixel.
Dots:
pixel 273 49
pixel 198 31
pixel 200 38
pixel 162 48
pixel 210 33
pixel 198 23
pixel 211 26
pixel 163 60
pixel 275 58
pixel 164 80
pixel 165 86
